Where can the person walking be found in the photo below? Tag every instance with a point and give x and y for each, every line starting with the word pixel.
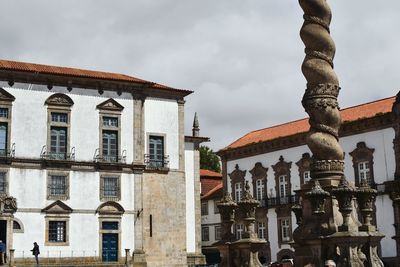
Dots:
pixel 330 263
pixel 2 252
pixel 36 252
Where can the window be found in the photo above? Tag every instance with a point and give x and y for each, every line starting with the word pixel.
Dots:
pixel 110 131
pixel 204 208
pixel 283 187
pixel 363 171
pixel 6 100
pixel 3 138
pixel 3 183
pixel 285 230
pixel 58 127
pixel 260 191
pixel 110 189
pixel 57 231
pixel 58 143
pixel 3 112
pixel 156 151
pixel 18 227
pixel 217 232
pixel 216 209
pixel 58 187
pixel 261 230
pixel 238 191
pixel 363 163
pixel 306 176
pixel 239 231
pixel 110 145
pixel 205 234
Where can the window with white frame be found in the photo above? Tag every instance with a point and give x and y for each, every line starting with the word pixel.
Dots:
pixel 261 227
pixel 110 188
pixel 217 232
pixel 204 208
pixel 364 171
pixel 216 209
pixel 238 191
pixel 260 189
pixel 283 188
pixel 285 230
pixel 205 233
pixel 306 176
pixel 239 231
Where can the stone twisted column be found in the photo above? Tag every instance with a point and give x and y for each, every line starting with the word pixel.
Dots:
pixel 320 98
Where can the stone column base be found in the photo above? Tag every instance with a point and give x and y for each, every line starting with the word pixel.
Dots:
pixel 139 259
pixel 196 259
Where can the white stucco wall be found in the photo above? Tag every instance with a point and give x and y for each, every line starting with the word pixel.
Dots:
pixel 190 200
pixel 161 117
pixel 211 221
pixel 29 131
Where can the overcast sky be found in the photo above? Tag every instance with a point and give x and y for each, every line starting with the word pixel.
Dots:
pixel 242 58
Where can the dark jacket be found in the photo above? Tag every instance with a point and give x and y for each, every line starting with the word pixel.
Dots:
pixel 35 250
pixel 2 247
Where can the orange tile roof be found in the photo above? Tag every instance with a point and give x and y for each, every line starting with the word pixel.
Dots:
pixel 73 72
pixel 215 192
pixel 208 173
pixel 354 113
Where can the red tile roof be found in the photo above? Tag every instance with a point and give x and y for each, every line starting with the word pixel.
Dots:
pixel 73 72
pixel 354 113
pixel 209 180
pixel 215 192
pixel 208 173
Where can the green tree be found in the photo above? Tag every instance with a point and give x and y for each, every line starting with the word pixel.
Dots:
pixel 209 160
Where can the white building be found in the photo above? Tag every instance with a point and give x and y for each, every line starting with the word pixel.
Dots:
pixel 94 163
pixel 275 161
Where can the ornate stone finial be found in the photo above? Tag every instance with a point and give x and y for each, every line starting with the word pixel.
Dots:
pixel 320 98
pixel 344 194
pixel 227 209
pixel 196 129
pixel 317 197
pixel 366 198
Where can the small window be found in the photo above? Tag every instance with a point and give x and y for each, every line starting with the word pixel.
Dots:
pixel 58 185
pixel 261 230
pixel 217 232
pixel 110 188
pixel 16 226
pixel 57 231
pixel 364 172
pixel 285 230
pixel 3 112
pixel 59 117
pixel 156 151
pixel 205 234
pixel 216 209
pixel 238 191
pixel 306 176
pixel 110 122
pixel 204 208
pixel 3 183
pixel 239 231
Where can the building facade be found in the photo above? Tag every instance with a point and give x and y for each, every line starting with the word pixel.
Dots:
pixel 275 161
pixel 96 166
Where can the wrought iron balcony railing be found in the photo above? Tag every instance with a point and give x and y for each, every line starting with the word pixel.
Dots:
pixel 109 158
pixel 44 154
pixel 153 163
pixel 276 201
pixel 8 153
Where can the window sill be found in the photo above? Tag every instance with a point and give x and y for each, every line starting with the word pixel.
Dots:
pixel 56 244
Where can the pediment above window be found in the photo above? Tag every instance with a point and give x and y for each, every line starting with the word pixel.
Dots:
pixel 237 174
pixel 57 207
pixel 259 171
pixel 110 104
pixel 6 96
pixel 59 100
pixel 282 167
pixel 110 208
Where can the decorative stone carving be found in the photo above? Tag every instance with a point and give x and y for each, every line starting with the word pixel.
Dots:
pixel 110 104
pixel 8 204
pixel 6 96
pixel 359 154
pixel 366 199
pixel 259 172
pixel 110 208
pixel 248 205
pixel 227 209
pixel 59 99
pixel 344 195
pixel 304 165
pixel 237 176
pixel 282 168
pixel 57 207
pixel 317 198
pixel 320 98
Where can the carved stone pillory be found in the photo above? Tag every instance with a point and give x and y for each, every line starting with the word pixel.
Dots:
pixel 327 219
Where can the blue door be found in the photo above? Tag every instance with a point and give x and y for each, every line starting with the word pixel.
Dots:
pixel 110 247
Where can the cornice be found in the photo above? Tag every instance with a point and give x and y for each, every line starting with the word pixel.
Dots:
pixel 378 122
